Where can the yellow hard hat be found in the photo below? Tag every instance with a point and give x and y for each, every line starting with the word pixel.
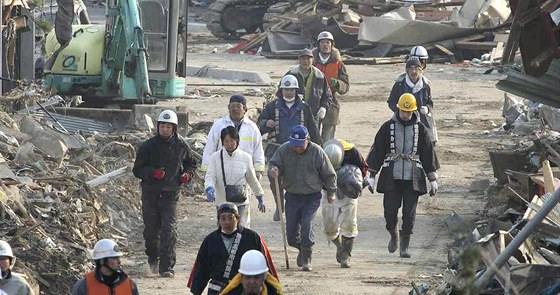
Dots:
pixel 407 102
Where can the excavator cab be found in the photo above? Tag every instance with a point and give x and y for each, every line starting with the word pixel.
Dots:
pixel 165 24
pixel 139 55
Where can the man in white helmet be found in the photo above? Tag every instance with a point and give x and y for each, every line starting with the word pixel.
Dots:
pixel 421 53
pixel 340 222
pixel 107 278
pixel 10 282
pixel 279 116
pixel 164 163
pixel 253 277
pixel 329 61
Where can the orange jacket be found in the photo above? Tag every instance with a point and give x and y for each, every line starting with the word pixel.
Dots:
pixel 95 287
pixel 333 68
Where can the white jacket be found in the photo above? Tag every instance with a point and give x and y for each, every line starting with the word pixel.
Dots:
pixel 250 141
pixel 239 171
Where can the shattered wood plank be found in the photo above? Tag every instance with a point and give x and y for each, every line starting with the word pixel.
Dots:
pixel 106 177
pixel 449 53
pixel 548 177
pixel 25 231
pixel 373 60
pixel 34 273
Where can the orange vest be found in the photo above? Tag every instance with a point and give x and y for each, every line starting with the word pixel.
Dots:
pixel 95 287
pixel 330 70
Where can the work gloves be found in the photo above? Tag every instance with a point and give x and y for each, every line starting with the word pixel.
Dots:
pixel 321 113
pixel 335 84
pixel 159 174
pixel 424 110
pixel 210 194
pixel 371 184
pixel 274 172
pixel 185 178
pixel 262 208
pixel 433 188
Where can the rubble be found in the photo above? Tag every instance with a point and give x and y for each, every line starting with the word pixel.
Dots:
pixel 60 192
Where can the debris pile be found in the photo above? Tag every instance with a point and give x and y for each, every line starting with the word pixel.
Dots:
pixel 372 32
pixel 514 248
pixel 61 192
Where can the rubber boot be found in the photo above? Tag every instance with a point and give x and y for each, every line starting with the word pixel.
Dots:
pixel 347 245
pixel 153 262
pixel 394 242
pixel 298 259
pixel 338 243
pixel 306 253
pixel 405 240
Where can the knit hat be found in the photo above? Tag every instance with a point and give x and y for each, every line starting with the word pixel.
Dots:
pixel 413 61
pixel 238 98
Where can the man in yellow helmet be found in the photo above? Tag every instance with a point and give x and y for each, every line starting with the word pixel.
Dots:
pixel 404 152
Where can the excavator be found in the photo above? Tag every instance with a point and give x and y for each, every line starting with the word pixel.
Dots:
pixel 137 56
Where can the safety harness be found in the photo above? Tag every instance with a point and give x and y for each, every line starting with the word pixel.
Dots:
pixel 393 155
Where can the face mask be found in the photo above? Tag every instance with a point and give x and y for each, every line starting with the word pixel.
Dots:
pixel 289 100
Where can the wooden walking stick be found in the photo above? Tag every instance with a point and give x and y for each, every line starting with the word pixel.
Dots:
pixel 279 206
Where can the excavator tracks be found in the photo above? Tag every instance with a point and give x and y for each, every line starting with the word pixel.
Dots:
pixel 230 19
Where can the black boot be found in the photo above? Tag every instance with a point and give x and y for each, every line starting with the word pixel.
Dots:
pixel 394 242
pixel 298 259
pixel 337 242
pixel 153 262
pixel 306 253
pixel 347 245
pixel 405 240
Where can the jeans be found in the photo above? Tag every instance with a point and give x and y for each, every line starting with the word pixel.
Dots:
pixel 300 211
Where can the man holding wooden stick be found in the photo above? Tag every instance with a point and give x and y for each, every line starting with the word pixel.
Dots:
pixel 304 169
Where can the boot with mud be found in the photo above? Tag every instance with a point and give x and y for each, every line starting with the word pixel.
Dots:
pixel 405 240
pixel 347 245
pixel 306 253
pixel 394 242
pixel 338 243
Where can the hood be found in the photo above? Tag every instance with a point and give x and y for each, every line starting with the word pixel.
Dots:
pixel 335 55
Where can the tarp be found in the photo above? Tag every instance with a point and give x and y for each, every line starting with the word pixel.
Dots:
pixel 399 27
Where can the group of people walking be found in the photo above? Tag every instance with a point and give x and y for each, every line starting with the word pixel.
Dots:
pixel 312 168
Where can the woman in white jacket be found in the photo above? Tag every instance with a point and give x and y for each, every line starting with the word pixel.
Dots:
pixel 233 167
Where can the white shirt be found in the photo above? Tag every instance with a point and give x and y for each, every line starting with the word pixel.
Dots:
pixel 239 171
pixel 250 141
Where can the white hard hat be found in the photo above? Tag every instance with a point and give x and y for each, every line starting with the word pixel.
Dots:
pixel 335 152
pixel 325 35
pixel 252 263
pixel 289 81
pixel 168 116
pixel 106 248
pixel 419 51
pixel 6 249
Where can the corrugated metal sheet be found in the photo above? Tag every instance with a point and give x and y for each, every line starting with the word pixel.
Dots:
pixel 75 124
pixel 544 89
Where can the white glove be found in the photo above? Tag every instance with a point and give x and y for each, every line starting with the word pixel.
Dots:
pixel 321 113
pixel 434 188
pixel 424 110
pixel 371 184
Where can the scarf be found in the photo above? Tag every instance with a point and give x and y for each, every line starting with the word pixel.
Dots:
pixel 270 279
pixel 324 60
pixel 415 87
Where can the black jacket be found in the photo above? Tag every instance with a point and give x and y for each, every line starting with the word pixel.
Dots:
pixel 173 156
pixel 381 148
pixel 212 258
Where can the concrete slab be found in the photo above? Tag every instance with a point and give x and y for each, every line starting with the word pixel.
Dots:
pixel 228 74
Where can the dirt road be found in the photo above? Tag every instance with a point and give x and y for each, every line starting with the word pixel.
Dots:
pixel 466 105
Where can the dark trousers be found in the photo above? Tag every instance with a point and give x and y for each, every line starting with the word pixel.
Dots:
pixel 159 211
pixel 392 200
pixel 300 211
pixel 272 182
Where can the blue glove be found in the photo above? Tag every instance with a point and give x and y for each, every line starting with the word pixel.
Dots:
pixel 262 208
pixel 210 194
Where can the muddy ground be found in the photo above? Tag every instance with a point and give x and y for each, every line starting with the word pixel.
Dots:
pixel 467 106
